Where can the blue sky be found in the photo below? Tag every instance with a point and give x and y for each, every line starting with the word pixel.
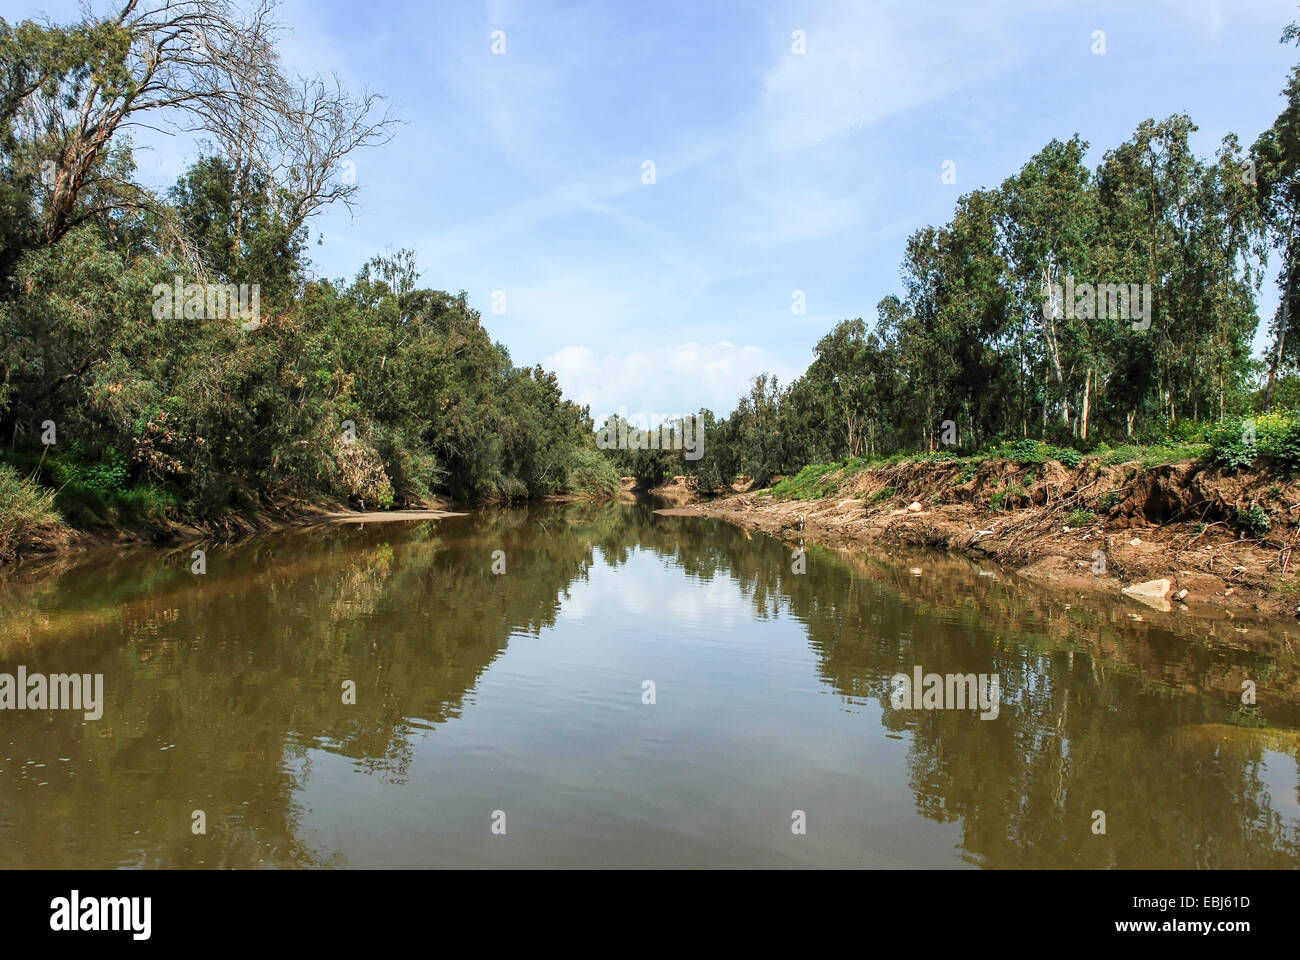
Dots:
pixel 774 171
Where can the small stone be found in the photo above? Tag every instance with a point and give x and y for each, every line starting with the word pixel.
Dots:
pixel 1229 592
pixel 1065 529
pixel 913 507
pixel 1134 542
pixel 1181 594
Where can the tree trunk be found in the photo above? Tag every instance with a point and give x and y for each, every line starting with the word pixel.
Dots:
pixel 1083 417
pixel 1276 362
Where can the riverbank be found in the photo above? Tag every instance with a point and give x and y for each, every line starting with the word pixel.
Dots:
pixel 1180 536
pixel 57 539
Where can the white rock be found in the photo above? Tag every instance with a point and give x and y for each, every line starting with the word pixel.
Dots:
pixel 1149 588
pixel 1134 542
pixel 914 507
pixel 1181 594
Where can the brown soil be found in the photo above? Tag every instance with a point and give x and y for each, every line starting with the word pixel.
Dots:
pixel 1175 522
pixel 677 490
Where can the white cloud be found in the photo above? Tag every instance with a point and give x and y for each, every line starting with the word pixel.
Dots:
pixel 804 160
pixel 663 380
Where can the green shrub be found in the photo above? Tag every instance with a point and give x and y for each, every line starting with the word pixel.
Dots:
pixel 508 488
pixel 1026 450
pixel 1232 447
pixel 1030 451
pixel 1254 519
pixel 593 475
pixel 882 495
pixel 1067 456
pixel 1081 518
pixel 103 476
pixel 1235 444
pixel 1284 446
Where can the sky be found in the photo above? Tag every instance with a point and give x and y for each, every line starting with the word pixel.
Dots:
pixel 521 176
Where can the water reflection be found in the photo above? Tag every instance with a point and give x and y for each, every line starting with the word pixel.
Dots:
pixel 522 692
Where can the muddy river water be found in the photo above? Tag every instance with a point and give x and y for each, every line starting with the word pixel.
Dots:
pixel 586 685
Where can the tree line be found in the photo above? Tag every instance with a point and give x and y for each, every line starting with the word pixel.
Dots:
pixel 1067 304
pixel 376 389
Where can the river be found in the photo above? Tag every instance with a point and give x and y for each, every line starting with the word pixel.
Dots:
pixel 578 685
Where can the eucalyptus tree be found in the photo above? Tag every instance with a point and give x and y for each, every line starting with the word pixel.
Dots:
pixel 1047 224
pixel 1227 251
pixel 1276 161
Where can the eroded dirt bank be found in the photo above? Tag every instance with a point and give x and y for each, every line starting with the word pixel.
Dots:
pixel 1168 537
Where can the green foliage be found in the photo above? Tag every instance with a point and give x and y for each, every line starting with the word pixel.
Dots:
pixel 1283 446
pixel 103 477
pixel 1254 520
pixel 1026 451
pixel 1231 448
pixel 808 484
pixel 26 508
pixel 1109 500
pixel 199 413
pixel 593 475
pixel 1239 442
pixel 964 355
pixel 1081 518
pixel 882 495
pixel 1156 455
pixel 174 408
pixel 1030 451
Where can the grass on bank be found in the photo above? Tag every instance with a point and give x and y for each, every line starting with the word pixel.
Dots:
pixel 1269 441
pixel 26 511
